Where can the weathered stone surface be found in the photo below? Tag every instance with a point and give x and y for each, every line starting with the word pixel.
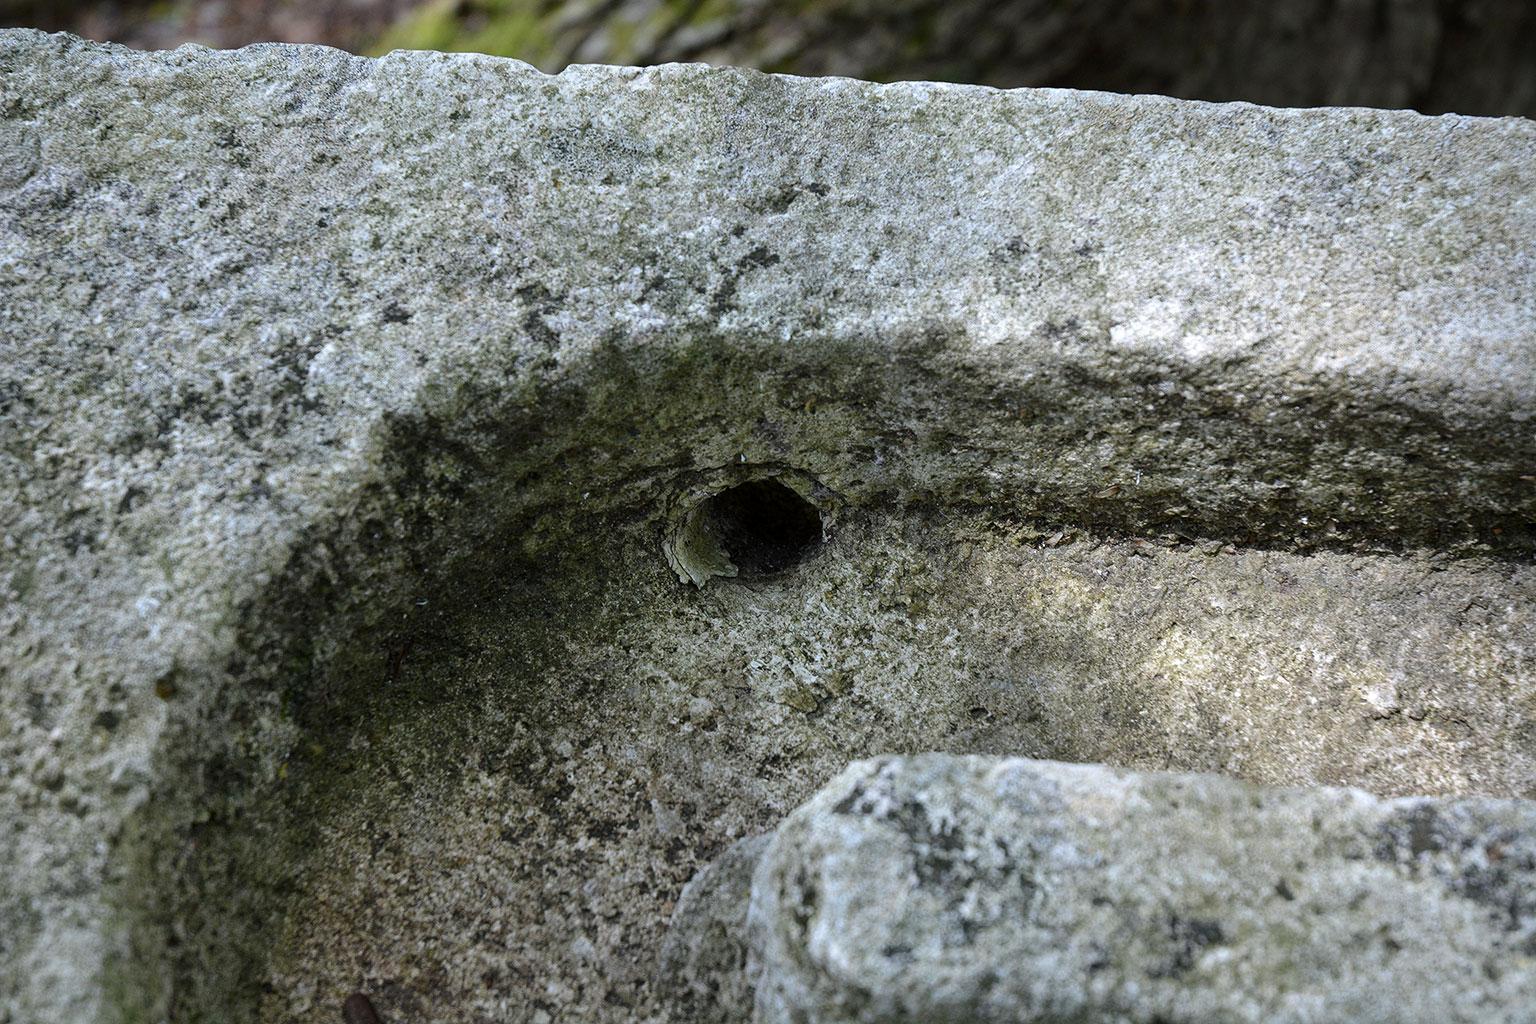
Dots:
pixel 1469 57
pixel 704 963
pixel 1015 891
pixel 350 409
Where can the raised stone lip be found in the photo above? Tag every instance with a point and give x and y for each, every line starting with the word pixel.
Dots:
pixel 235 434
pixel 1005 889
pixel 580 68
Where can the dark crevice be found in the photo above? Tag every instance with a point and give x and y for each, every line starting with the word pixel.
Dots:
pixel 763 526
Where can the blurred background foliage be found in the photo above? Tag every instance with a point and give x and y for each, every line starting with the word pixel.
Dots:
pixel 1466 56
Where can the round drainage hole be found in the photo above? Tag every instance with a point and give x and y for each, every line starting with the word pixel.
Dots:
pixel 763 526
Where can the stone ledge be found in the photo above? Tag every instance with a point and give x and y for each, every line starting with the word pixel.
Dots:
pixel 1011 891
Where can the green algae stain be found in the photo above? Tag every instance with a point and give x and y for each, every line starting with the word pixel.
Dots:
pixel 504 28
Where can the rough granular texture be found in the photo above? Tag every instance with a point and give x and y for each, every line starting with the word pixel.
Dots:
pixel 361 420
pixel 1013 891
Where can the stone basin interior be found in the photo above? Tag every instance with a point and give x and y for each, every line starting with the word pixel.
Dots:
pixel 472 783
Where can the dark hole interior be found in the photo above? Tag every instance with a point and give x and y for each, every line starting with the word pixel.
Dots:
pixel 764 526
